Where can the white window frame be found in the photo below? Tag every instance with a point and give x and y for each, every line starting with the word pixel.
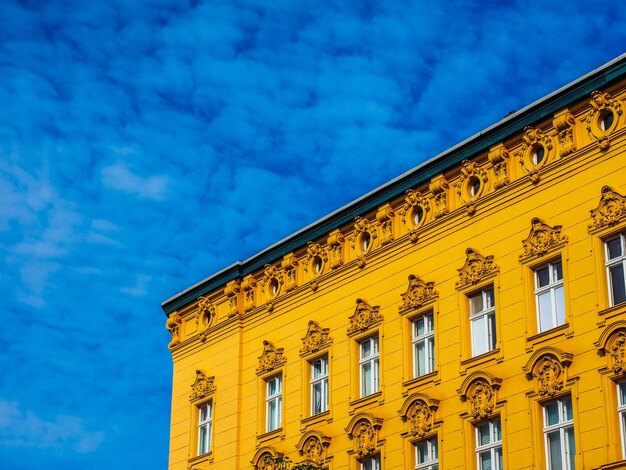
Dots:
pixel 621 413
pixel 431 461
pixel 373 362
pixel 427 339
pixel 205 427
pixel 319 382
pixel 493 446
pixel 371 463
pixel 553 285
pixel 563 427
pixel 486 317
pixel 273 403
pixel 614 262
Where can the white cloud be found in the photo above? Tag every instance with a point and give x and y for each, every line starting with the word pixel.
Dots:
pixel 119 177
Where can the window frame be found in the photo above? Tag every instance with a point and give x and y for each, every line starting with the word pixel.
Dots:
pixel 490 447
pixel 562 427
pixel 374 361
pixel 374 459
pixel 488 316
pixel 276 399
pixel 551 288
pixel 428 339
pixel 207 425
pixel 433 460
pixel 613 262
pixel 323 381
pixel 621 415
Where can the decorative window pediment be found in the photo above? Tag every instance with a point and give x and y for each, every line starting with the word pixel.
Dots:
pixel 418 293
pixel 316 339
pixel 548 367
pixel 476 268
pixel 418 410
pixel 365 316
pixel 271 358
pixel 610 211
pixel 542 239
pixel 479 391
pixel 363 431
pixel 264 459
pixel 313 447
pixel 173 326
pixel 612 344
pixel 202 387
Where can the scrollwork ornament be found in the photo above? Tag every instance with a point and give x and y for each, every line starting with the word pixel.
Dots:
pixel 271 358
pixel 206 311
pixel 549 375
pixel 365 436
pixel 498 156
pixel 439 188
pixel 417 293
pixel 533 137
pixel 617 352
pixel 335 244
pixel 481 397
pixel 601 103
pixel 364 317
pixel 316 338
pixel 419 417
pixel 203 386
pixel 564 123
pixel 476 267
pixel 413 200
pixel 173 326
pixel 610 211
pixel 313 451
pixel 541 239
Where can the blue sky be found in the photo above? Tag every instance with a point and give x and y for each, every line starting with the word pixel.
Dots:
pixel 145 145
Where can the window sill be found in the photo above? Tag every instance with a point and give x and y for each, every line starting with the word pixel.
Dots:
pixel 318 418
pixel 561 330
pixel 369 400
pixel 208 457
pixel 613 311
pixel 620 464
pixel 489 356
pixel 430 378
pixel 271 435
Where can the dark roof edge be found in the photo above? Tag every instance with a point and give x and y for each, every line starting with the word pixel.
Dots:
pixel 488 137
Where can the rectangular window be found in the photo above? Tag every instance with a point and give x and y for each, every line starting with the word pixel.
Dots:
pixel 423 345
pixel 205 422
pixel 483 321
pixel 373 463
pixel 489 445
pixel 273 403
pixel 549 296
pixel 369 365
pixel 319 385
pixel 621 411
pixel 615 262
pixel 426 455
pixel 559 434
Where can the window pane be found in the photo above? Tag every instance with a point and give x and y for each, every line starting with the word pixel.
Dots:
pixel 622 393
pixel 545 311
pixel 366 349
pixel 419 326
pixel 618 291
pixel 431 354
pixel 476 303
pixel 489 298
pixel 559 300
pixel 421 452
pixel 317 398
pixel 202 441
pixel 571 446
pixel 614 248
pixel 492 332
pixel 479 338
pixel 421 358
pixel 366 379
pixel 499 459
pixel 567 408
pixel 554 449
pixel 552 413
pixel 374 341
pixel 203 413
pixel 483 434
pixel 376 377
pixel 543 277
pixel 497 431
pixel 484 461
pixel 557 272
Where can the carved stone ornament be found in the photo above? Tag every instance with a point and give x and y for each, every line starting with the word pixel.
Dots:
pixel 533 137
pixel 418 293
pixel 470 169
pixel 313 451
pixel 365 438
pixel 249 285
pixel 173 325
pixel 206 312
pixel 610 211
pixel 385 217
pixel 313 251
pixel 498 156
pixel 361 262
pixel 361 227
pixel 541 239
pixel 420 419
pixel 476 268
pixel 439 187
pixel 203 386
pixel 289 265
pixel 601 103
pixel 231 291
pixel 364 317
pixel 616 347
pixel 266 462
pixel 271 274
pixel 335 244
pixel 480 395
pixel 271 358
pixel 413 200
pixel 564 124
pixel 316 338
pixel 549 376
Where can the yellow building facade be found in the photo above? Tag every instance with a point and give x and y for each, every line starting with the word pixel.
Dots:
pixel 469 314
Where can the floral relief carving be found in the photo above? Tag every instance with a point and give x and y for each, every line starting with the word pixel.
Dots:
pixel 365 438
pixel 248 285
pixel 173 326
pixel 480 395
pixel 498 156
pixel 231 291
pixel 541 239
pixel 417 293
pixel 364 317
pixel 316 338
pixel 564 124
pixel 271 274
pixel 335 244
pixel 271 358
pixel 616 348
pixel 266 462
pixel 610 211
pixel 532 138
pixel 313 451
pixel 601 103
pixel 385 217
pixel 439 187
pixel 549 376
pixel 206 311
pixel 476 267
pixel 420 418
pixel 203 386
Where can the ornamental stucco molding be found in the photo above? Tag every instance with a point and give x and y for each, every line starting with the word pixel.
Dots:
pixel 271 358
pixel 316 339
pixel 476 268
pixel 364 317
pixel 542 239
pixel 202 387
pixel 417 294
pixel 611 210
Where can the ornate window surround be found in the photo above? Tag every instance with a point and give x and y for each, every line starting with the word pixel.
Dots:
pixel 363 430
pixel 202 393
pixel 313 447
pixel 419 413
pixel 271 364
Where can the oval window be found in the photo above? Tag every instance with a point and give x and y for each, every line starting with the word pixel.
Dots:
pixel 365 241
pixel 538 154
pixel 606 121
pixel 274 286
pixel 317 264
pixel 474 186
